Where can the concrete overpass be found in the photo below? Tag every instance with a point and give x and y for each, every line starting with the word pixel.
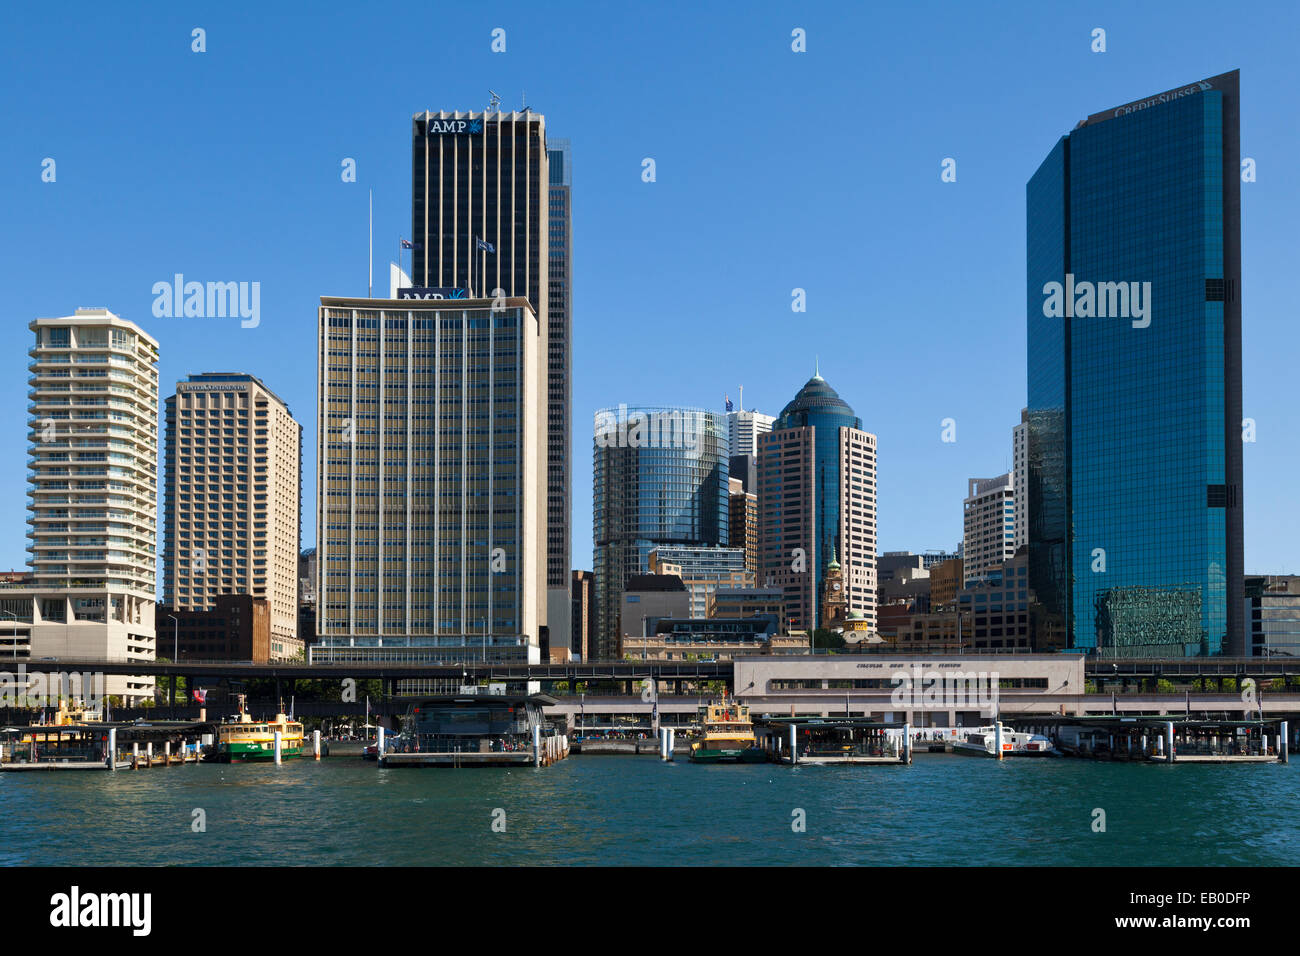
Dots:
pixel 1098 669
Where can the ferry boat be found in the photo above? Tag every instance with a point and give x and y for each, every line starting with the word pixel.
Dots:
pixel 983 743
pixel 75 713
pixel 242 739
pixel 728 736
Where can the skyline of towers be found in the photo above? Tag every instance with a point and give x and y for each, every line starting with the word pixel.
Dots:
pixel 1078 451
pixel 817 501
pixel 1134 377
pixel 232 494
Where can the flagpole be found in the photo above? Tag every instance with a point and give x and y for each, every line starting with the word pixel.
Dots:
pixel 370 290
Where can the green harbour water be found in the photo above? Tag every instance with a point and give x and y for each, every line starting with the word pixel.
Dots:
pixel 623 810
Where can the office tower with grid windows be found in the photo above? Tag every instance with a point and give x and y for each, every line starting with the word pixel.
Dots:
pixel 482 192
pixel 743 520
pixel 817 505
pixel 93 499
pixel 559 390
pixel 744 429
pixel 232 499
pixel 1134 378
pixel 988 525
pixel 1020 477
pixel 431 431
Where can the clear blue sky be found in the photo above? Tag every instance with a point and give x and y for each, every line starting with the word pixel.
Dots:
pixel 776 170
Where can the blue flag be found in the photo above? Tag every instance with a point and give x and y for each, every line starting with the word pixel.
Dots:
pixel 484 245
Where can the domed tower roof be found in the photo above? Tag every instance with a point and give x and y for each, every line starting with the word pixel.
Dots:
pixel 816 397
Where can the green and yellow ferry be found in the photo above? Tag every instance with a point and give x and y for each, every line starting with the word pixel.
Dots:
pixel 242 740
pixel 727 735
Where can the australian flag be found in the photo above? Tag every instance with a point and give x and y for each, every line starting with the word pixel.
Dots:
pixel 728 398
pixel 484 245
pixel 407 244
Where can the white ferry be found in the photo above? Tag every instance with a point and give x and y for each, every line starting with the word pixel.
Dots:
pixel 983 743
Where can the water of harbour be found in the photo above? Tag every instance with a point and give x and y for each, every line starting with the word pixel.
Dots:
pixel 613 810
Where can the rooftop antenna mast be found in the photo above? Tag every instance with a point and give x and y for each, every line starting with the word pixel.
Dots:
pixel 742 398
pixel 494 104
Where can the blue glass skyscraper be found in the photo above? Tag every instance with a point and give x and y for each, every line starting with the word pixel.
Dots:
pixel 660 478
pixel 1134 379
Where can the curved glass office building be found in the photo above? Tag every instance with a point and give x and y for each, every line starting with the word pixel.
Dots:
pixel 660 478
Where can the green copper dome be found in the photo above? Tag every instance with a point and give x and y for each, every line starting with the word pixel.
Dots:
pixel 814 400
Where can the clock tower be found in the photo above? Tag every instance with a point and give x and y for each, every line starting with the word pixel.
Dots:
pixel 835 603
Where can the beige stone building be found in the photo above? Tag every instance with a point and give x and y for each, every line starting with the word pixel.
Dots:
pixel 233 500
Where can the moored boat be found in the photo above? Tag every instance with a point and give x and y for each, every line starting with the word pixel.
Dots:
pixel 243 740
pixel 983 743
pixel 727 735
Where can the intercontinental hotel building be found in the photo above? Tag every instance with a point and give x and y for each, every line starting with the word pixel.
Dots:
pixel 431 487
pixel 93 502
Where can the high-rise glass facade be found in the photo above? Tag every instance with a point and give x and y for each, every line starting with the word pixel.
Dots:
pixel 1134 448
pixel 660 478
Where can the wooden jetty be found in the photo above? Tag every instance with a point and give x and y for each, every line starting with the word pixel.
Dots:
pixel 99 746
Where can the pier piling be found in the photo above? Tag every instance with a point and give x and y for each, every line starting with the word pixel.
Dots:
pixel 1169 742
pixel 315 744
pixel 112 748
pixel 276 743
pixel 1284 742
